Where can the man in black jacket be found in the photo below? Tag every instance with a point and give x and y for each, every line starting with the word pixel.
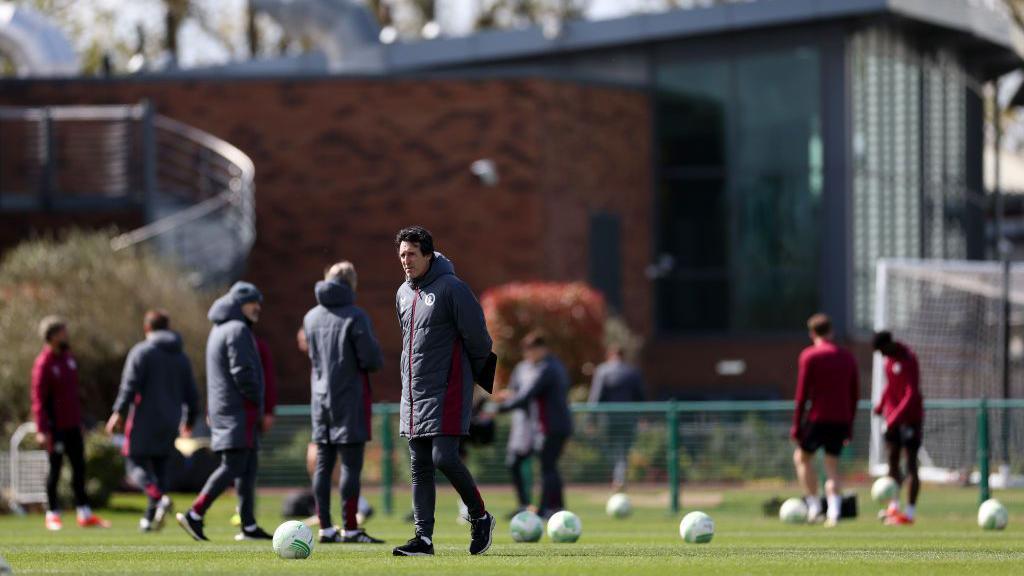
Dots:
pixel 156 382
pixel 547 389
pixel 343 351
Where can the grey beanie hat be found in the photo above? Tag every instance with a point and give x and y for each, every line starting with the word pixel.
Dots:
pixel 244 292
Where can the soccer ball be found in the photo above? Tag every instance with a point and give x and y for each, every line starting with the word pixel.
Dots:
pixel 992 515
pixel 793 511
pixel 884 489
pixel 564 526
pixel 526 527
pixel 619 506
pixel 697 528
pixel 293 540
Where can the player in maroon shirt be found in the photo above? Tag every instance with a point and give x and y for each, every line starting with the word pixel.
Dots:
pixel 903 409
pixel 826 403
pixel 57 412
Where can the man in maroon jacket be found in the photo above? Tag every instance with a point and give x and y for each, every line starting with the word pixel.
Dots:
pixel 826 403
pixel 57 413
pixel 903 409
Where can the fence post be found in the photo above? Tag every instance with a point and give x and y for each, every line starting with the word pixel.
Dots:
pixel 49 180
pixel 386 463
pixel 149 158
pixel 983 450
pixel 673 455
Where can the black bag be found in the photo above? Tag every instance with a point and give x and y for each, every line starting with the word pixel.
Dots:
pixel 299 504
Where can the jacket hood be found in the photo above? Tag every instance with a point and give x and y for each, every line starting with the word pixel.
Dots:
pixel 440 266
pixel 334 293
pixel 165 340
pixel 224 309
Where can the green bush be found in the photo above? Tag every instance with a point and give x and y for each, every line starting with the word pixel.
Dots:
pixel 103 295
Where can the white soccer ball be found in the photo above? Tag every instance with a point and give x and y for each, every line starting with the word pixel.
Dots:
pixel 293 540
pixel 526 527
pixel 992 515
pixel 884 489
pixel 619 506
pixel 697 528
pixel 564 526
pixel 793 511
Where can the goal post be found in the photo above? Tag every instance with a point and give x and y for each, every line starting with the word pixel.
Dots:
pixel 951 314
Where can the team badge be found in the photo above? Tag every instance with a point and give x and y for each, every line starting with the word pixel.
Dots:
pixel 428 299
pixel 897 368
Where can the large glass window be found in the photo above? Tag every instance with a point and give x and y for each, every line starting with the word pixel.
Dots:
pixel 909 162
pixel 740 192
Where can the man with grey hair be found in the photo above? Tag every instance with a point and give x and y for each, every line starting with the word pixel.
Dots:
pixel 234 391
pixel 343 351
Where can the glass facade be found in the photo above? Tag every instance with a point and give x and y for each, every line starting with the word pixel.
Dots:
pixel 908 112
pixel 739 199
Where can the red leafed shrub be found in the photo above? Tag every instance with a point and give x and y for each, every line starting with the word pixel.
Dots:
pixel 571 314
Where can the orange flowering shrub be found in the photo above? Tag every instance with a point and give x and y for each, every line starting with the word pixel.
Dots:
pixel 571 314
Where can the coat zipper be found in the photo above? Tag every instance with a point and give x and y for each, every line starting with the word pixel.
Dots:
pixel 412 334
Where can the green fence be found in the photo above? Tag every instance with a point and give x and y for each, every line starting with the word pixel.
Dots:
pixel 674 443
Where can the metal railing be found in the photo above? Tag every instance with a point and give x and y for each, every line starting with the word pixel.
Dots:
pixel 202 213
pixel 196 190
pixel 668 443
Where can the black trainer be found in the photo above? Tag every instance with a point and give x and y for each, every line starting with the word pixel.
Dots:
pixel 256 533
pixel 194 528
pixel 482 533
pixel 333 538
pixel 360 537
pixel 415 547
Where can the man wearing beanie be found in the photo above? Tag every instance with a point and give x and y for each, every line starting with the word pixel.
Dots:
pixel 234 391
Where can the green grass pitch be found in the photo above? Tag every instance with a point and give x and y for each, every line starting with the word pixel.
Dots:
pixel 946 540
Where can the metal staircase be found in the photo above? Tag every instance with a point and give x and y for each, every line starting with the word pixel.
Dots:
pixel 194 190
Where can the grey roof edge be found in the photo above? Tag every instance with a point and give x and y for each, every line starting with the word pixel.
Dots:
pixel 963 17
pixel 489 46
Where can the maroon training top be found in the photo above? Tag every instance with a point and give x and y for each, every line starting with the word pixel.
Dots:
pixel 829 384
pixel 901 401
pixel 55 402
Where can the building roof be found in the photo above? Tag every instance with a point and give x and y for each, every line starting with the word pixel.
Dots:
pixel 975 22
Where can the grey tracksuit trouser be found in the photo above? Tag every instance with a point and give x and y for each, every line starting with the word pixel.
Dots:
pixel 238 466
pixel 351 468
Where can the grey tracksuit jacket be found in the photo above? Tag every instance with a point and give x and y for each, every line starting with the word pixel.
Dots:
pixel 444 342
pixel 616 381
pixel 522 431
pixel 343 351
pixel 548 388
pixel 234 378
pixel 156 382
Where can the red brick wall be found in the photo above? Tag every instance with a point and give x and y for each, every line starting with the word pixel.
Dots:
pixel 342 164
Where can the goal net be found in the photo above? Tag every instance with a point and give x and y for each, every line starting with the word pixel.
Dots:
pixel 951 314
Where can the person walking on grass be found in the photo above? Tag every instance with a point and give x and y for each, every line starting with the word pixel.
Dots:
pixel 234 390
pixel 56 409
pixel 826 403
pixel 615 380
pixel 903 409
pixel 445 347
pixel 343 351
pixel 156 382
pixel 545 390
